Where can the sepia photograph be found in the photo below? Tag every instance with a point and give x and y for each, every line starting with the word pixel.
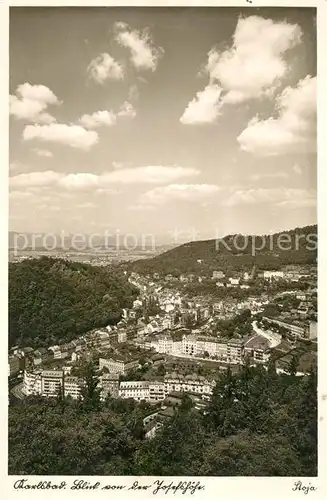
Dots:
pixel 162 287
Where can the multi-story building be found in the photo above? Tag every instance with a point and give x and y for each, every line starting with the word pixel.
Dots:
pixel 122 336
pixel 189 347
pixel 235 351
pixel 73 387
pixel 156 391
pixel 109 384
pixel 190 383
pixel 257 347
pixel 51 382
pixel 138 390
pixel 14 365
pixel 116 365
pixel 32 382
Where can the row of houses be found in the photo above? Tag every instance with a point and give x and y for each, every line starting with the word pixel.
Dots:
pixel 227 350
pixel 51 383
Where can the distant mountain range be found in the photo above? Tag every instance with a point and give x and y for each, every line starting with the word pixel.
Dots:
pixel 297 246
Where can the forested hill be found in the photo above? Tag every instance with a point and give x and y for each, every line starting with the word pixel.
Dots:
pixel 53 301
pixel 298 246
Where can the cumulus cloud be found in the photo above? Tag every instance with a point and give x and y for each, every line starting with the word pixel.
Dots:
pixel 182 192
pixel 43 152
pixel 30 103
pixel 79 181
pixel 84 180
pixel 70 135
pixel 98 118
pixel 293 131
pixel 143 53
pixel 127 110
pixel 255 64
pixel 204 108
pixel 155 174
pixel 35 179
pixel 251 68
pixel 278 196
pixel 104 67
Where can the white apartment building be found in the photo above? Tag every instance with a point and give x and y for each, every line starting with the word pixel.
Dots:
pixel 156 391
pixel 234 351
pixel 268 275
pixel 51 382
pixel 117 365
pixel 189 347
pixel 190 383
pixel 32 382
pixel 138 390
pixel 72 387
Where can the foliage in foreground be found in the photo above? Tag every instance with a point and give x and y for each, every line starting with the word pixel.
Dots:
pixel 257 424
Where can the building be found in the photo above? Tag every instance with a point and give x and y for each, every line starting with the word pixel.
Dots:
pixel 313 333
pixel 218 275
pixel 195 384
pixel 235 351
pixel 109 384
pixel 51 382
pixel 294 330
pixel 115 365
pixel 189 345
pixel 156 391
pixel 257 347
pixel 73 387
pixel 32 382
pixel 122 336
pixel 138 390
pixel 13 365
pixel 268 275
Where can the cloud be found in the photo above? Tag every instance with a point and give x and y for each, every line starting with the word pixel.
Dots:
pixel 293 131
pixel 98 118
pixel 297 169
pixel 35 179
pixel 133 93
pixel 144 54
pixel 79 181
pixel 30 103
pixel 272 175
pixel 19 195
pixel 70 135
pixel 104 67
pixel 43 152
pixel 204 108
pixel 85 180
pixel 176 192
pixel 127 110
pixel 156 174
pixel 277 196
pixel 255 64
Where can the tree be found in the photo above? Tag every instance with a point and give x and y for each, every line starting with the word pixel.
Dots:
pixel 90 393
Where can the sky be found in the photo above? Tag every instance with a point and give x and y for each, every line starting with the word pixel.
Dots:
pixel 154 120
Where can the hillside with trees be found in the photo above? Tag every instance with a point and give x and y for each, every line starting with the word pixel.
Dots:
pixel 257 423
pixel 53 300
pixel 298 246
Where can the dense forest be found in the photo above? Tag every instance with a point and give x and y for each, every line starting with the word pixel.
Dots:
pixel 257 423
pixel 53 300
pixel 236 252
